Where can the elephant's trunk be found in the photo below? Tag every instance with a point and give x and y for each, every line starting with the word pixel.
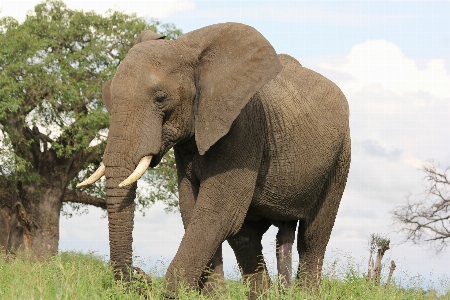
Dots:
pixel 131 138
pixel 120 207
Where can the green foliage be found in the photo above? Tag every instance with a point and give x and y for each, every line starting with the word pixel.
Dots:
pixel 378 241
pixel 86 276
pixel 167 29
pixel 11 164
pixel 52 67
pixel 161 184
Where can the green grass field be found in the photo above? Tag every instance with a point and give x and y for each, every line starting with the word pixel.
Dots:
pixel 86 276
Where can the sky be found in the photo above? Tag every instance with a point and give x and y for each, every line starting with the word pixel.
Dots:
pixel 392 61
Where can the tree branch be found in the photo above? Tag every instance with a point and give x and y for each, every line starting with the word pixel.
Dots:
pixel 428 220
pixel 86 156
pixel 83 198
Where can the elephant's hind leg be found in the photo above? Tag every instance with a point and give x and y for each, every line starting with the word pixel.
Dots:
pixel 285 239
pixel 247 247
pixel 314 234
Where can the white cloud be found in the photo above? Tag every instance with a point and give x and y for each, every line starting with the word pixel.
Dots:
pixel 151 9
pixel 379 65
pixel 412 161
pixel 393 102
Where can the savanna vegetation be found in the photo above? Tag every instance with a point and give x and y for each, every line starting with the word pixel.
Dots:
pixel 86 276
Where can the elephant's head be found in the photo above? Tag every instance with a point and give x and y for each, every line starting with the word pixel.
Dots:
pixel 166 92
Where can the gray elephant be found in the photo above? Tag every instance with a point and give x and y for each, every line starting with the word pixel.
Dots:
pixel 258 140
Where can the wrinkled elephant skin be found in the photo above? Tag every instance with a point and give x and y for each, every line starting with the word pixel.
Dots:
pixel 258 140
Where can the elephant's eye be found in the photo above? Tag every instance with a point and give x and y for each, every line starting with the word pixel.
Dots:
pixel 160 96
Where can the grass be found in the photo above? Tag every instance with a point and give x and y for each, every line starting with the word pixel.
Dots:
pixel 86 276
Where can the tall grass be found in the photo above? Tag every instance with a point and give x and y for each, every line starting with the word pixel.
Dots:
pixel 86 276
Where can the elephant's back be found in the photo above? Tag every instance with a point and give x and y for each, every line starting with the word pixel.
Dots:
pixel 313 91
pixel 307 121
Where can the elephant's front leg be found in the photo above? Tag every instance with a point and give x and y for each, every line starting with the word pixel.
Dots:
pixel 201 240
pixel 219 212
pixel 212 281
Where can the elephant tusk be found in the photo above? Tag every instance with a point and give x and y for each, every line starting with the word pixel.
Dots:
pixel 93 178
pixel 138 172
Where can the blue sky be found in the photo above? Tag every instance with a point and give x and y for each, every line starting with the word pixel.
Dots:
pixel 392 61
pixel 311 28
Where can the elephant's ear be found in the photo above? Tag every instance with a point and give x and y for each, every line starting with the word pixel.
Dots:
pixel 234 63
pixel 106 95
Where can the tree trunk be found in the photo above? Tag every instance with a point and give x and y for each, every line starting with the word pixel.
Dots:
pixel 378 266
pixel 370 267
pixel 6 203
pixel 391 271
pixel 30 220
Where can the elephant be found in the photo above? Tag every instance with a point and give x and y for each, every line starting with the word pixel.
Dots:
pixel 259 140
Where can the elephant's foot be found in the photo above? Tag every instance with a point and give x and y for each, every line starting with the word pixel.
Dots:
pixel 259 284
pixel 213 285
pixel 141 283
pixel 284 264
pixel 212 281
pixel 309 276
pixel 177 283
pixel 142 276
pixel 285 240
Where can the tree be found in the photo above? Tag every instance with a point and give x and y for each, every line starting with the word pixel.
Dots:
pixel 53 125
pixel 380 244
pixel 427 221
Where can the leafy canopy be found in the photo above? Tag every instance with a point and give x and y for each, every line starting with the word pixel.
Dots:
pixel 52 67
